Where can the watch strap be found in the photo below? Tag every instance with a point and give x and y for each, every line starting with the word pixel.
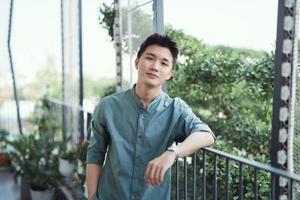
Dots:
pixel 173 149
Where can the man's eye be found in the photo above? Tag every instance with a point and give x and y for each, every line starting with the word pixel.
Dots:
pixel 149 58
pixel 165 64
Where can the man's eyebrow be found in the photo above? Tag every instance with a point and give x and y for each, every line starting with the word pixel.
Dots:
pixel 166 60
pixel 152 54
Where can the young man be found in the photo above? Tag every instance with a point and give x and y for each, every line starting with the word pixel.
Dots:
pixel 133 131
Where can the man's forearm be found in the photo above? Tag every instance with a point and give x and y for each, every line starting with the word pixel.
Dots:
pixel 194 142
pixel 156 168
pixel 93 173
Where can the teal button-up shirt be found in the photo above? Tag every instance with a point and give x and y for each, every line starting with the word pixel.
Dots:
pixel 126 137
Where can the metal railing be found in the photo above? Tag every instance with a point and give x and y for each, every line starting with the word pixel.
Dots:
pixel 69 110
pixel 221 175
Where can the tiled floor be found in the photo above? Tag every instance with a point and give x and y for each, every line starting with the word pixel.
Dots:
pixel 8 189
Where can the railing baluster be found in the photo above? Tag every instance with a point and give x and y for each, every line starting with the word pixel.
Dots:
pixel 241 185
pixel 185 179
pixel 88 126
pixel 215 178
pixel 203 176
pixel 227 180
pixel 194 175
pixel 255 185
pixel 291 189
pixel 64 121
pixel 177 180
pixel 273 185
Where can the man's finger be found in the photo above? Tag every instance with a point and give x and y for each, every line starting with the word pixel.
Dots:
pixel 157 175
pixel 152 171
pixel 149 173
pixel 162 174
pixel 146 176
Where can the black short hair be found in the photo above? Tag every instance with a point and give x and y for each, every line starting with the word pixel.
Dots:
pixel 160 40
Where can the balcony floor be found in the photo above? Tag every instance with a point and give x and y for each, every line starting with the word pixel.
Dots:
pixel 8 188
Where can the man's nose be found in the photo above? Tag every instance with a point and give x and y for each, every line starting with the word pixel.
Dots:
pixel 155 66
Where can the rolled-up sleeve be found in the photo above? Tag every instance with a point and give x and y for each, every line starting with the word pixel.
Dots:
pixel 189 123
pixel 100 137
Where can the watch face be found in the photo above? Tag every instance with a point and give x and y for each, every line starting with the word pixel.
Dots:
pixel 173 150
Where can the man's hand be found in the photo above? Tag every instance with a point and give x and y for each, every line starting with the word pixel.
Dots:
pixel 157 168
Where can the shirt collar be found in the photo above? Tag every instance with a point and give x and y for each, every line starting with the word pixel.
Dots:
pixel 139 103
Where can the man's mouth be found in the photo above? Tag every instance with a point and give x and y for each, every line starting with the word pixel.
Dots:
pixel 153 75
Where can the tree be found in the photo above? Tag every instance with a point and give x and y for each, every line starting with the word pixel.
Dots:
pixel 231 89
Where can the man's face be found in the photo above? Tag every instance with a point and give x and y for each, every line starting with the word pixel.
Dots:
pixel 154 66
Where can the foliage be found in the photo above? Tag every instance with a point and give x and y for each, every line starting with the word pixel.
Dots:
pixel 109 90
pixel 106 18
pixel 228 89
pixel 4 158
pixel 81 151
pixel 35 156
pixel 94 88
pixel 231 90
pixel 239 51
pixel 45 118
pixel 47 80
pixel 74 152
pixel 3 135
pixel 141 24
pixel 34 159
pixel 69 154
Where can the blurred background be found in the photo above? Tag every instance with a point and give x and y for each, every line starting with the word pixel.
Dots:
pixel 59 58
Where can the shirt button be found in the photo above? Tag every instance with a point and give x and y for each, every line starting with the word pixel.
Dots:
pixel 142 117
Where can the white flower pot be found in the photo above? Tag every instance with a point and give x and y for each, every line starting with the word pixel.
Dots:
pixel 85 190
pixel 65 167
pixel 80 169
pixel 19 179
pixel 44 194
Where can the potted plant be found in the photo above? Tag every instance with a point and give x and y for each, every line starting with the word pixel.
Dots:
pixel 67 160
pixel 33 158
pixel 81 151
pixel 4 159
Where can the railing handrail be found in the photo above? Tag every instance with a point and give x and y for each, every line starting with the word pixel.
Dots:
pixel 255 164
pixel 61 103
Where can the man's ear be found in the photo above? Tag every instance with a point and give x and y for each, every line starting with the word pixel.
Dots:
pixel 136 63
pixel 171 74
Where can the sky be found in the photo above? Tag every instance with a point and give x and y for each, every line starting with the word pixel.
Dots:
pixel 239 23
pixel 36 32
pixel 36 36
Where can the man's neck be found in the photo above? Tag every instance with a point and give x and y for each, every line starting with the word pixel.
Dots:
pixel 146 94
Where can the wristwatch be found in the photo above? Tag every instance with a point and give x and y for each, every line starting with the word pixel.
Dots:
pixel 173 149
